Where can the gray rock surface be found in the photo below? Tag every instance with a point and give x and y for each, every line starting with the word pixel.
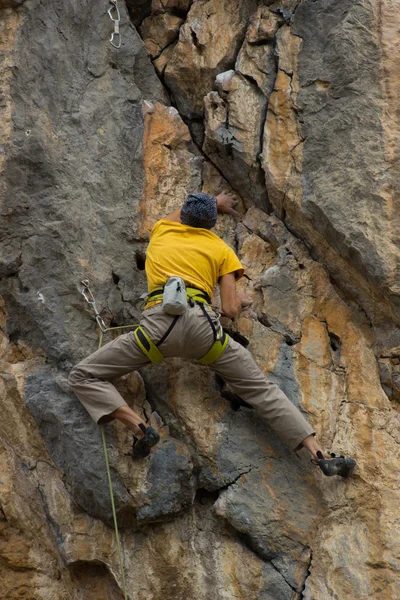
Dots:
pixel 344 168
pixel 170 483
pixel 74 179
pixel 74 443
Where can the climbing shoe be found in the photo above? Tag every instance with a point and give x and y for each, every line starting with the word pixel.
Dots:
pixel 141 448
pixel 336 465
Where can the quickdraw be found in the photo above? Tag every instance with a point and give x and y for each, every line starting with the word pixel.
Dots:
pixel 87 294
pixel 113 13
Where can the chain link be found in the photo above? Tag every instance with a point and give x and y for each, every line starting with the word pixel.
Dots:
pixel 113 13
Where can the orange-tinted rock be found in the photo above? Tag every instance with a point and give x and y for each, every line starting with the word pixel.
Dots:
pixel 170 164
pixel 324 164
pixel 282 144
pixel 174 168
pixel 159 31
pixel 263 26
pixel 208 44
pixel 258 62
pixel 161 62
pixel 8 27
pixel 233 123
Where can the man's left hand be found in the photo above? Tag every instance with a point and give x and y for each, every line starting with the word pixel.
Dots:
pixel 225 204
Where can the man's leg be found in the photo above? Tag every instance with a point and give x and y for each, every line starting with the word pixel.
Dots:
pixel 90 381
pixel 237 367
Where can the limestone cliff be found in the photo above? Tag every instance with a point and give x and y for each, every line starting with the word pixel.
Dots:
pixel 293 105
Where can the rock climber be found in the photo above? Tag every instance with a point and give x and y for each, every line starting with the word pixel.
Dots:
pixel 186 260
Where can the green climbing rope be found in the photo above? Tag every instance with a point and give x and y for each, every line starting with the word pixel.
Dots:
pixel 87 294
pixel 114 512
pixel 119 548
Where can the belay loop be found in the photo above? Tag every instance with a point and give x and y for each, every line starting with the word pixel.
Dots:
pixel 113 13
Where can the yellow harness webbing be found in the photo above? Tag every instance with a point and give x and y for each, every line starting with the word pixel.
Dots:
pixel 147 346
pixel 215 351
pixel 192 294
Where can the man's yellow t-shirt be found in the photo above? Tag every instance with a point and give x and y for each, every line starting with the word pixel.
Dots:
pixel 196 255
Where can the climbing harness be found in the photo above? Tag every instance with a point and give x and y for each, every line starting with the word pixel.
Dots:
pixel 194 296
pixel 156 296
pixel 113 13
pixel 147 346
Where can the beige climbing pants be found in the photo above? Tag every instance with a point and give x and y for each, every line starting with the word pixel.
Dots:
pixel 190 338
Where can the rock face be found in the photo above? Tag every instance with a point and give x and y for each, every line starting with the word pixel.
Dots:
pixel 331 104
pixel 294 107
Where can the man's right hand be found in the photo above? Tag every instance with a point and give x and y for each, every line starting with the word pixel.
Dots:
pixel 225 203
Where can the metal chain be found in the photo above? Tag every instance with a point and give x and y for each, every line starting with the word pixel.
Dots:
pixel 113 13
pixel 87 294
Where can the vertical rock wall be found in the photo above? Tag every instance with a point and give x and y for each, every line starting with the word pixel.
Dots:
pixel 293 105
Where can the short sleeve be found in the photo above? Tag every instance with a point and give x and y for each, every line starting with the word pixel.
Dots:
pixel 231 264
pixel 156 228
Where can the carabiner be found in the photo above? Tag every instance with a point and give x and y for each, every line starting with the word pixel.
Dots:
pixel 113 13
pixel 114 7
pixel 101 323
pixel 117 34
pixel 87 292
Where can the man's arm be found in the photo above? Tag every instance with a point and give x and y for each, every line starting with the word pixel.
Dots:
pixel 230 301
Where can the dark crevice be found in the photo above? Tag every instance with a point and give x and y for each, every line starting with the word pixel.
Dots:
pixel 290 341
pixel 263 319
pixel 237 336
pixel 282 575
pixel 84 572
pixel 138 11
pixel 335 342
pixel 177 12
pixel 55 528
pixel 235 401
pixel 140 257
pixel 306 577
pixel 195 41
pixel 171 43
pixel 14 336
pixel 206 497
